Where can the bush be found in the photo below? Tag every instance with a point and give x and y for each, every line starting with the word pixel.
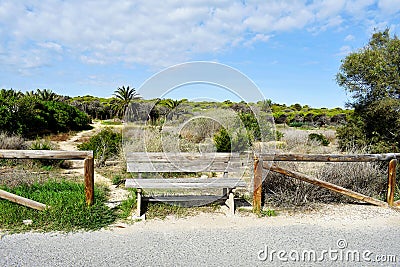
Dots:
pixel 105 145
pixel 30 116
pixel 319 138
pixel 43 144
pixel 222 141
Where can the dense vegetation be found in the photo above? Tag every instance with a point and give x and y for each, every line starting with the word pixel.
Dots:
pixel 37 114
pixel 372 76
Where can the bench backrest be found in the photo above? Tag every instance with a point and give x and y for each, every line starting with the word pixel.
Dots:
pixel 143 162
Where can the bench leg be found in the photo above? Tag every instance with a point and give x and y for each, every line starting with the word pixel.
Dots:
pixel 138 215
pixel 230 202
pixel 139 203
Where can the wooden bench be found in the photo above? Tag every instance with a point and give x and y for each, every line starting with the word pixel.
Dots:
pixel 138 162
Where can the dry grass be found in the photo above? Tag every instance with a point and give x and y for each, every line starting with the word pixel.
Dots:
pixel 365 178
pixel 11 141
pixel 60 137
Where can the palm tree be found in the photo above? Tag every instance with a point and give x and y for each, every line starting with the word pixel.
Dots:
pixel 173 105
pixel 123 97
pixel 10 93
pixel 47 95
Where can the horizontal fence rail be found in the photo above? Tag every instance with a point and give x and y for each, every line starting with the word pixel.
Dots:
pixel 263 161
pixel 45 154
pixel 330 157
pixel 87 156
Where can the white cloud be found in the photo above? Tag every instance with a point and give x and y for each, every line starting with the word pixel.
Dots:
pixel 51 46
pixel 159 33
pixel 344 51
pixel 389 6
pixel 349 38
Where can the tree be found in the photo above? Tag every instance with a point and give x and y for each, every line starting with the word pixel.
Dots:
pixel 173 107
pixel 372 76
pixel 123 97
pixel 47 95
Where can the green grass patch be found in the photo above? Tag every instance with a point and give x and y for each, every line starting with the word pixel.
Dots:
pixel 68 211
pixel 111 123
pixel 126 206
pixel 397 193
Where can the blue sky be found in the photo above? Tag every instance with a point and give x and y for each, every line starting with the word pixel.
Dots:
pixel 290 49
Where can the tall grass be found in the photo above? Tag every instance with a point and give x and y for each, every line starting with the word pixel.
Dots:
pixel 362 177
pixel 11 141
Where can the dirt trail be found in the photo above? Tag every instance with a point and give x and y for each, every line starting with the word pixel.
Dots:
pixel 116 194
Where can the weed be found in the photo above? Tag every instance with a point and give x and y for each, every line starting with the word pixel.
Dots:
pixel 125 208
pixel 117 180
pixel 319 138
pixel 267 213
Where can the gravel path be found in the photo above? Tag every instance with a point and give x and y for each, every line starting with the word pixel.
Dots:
pixel 338 235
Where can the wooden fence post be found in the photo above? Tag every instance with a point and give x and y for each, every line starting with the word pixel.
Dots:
pixel 89 180
pixel 257 184
pixel 391 181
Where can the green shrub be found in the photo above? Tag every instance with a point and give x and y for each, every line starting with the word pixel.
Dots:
pixel 222 141
pixel 296 124
pixel 319 138
pixel 30 116
pixel 105 145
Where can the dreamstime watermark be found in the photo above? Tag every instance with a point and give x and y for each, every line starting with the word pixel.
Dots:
pixel 340 253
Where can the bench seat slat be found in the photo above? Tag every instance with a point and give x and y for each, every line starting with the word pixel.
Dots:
pixel 189 183
pixel 182 167
pixel 160 156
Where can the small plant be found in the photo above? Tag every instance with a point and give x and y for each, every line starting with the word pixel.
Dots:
pixel 42 144
pixel 267 213
pixel 319 138
pixel 117 180
pixel 126 206
pixel 105 145
pixel 45 144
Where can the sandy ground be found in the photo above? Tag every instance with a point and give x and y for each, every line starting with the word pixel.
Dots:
pixel 328 215
pixel 116 194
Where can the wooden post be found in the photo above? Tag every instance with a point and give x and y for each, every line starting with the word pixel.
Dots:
pixel 89 180
pixel 391 181
pixel 22 201
pixel 257 184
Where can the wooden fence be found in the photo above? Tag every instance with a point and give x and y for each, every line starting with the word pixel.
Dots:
pixel 263 161
pixel 87 156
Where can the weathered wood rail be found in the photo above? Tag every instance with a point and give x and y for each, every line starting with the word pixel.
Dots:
pixel 87 156
pixel 263 161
